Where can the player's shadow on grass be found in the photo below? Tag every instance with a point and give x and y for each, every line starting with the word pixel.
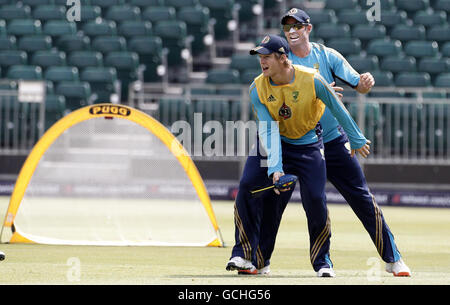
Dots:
pixel 242 276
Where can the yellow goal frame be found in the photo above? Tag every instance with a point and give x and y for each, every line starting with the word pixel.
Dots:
pixel 95 111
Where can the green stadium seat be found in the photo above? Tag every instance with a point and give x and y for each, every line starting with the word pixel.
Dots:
pixel 412 5
pixel 398 64
pixel 420 48
pixel 156 14
pixel 383 78
pixel 352 16
pixel 84 59
pixel 246 13
pixel 107 44
pixel 46 59
pixel 56 28
pixel 439 33
pixel 331 30
pixel 22 27
pixel 442 80
pixel 223 76
pixel 99 27
pixel 15 11
pixel 77 94
pixel 385 4
pixel 405 32
pixel 368 32
pixel 107 3
pixel 149 50
pixel 35 43
pixel 49 12
pixel 102 81
pixel 244 61
pixel 55 107
pixel 127 68
pixel 120 13
pixel 319 16
pixel 363 63
pixel 8 43
pixel 247 76
pixel 12 57
pixel 345 46
pixel 2 28
pixel 71 43
pixel 24 72
pixel 445 50
pixel 133 28
pixel 434 65
pixel 430 18
pixel 36 3
pixel 221 11
pixel 442 5
pixel 89 13
pixel 391 18
pixel 413 79
pixel 341 4
pixel 173 35
pixel 62 73
pixel 196 19
pixel 144 3
pixel 177 4
pixel 384 47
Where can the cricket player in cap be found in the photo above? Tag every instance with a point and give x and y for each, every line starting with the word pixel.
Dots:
pixel 288 101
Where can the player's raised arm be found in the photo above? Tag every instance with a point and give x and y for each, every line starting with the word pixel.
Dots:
pixel 327 95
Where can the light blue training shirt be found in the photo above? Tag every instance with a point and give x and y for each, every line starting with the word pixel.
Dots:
pixel 271 138
pixel 331 65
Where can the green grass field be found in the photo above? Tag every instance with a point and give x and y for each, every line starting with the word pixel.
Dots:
pixel 422 235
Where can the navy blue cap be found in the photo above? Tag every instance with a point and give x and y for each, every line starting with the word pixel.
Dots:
pixel 298 15
pixel 270 44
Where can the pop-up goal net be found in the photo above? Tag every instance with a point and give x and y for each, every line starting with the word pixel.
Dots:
pixel 110 175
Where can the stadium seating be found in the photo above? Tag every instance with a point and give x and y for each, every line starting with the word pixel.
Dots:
pixel 103 82
pixel 196 20
pixel 411 39
pixel 58 74
pixel 149 50
pixel 77 94
pixel 55 109
pixel 12 57
pixel 84 59
pixel 46 59
pixel 24 72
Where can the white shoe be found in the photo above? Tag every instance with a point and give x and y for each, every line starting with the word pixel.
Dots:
pixel 398 268
pixel 2 256
pixel 264 271
pixel 326 272
pixel 240 264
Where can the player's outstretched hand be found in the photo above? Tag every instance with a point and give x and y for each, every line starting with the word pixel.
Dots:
pixel 363 151
pixel 337 90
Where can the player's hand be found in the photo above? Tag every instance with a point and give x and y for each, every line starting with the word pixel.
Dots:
pixel 363 151
pixel 366 82
pixel 275 177
pixel 337 90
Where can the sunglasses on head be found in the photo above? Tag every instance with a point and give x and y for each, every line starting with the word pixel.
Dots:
pixel 295 26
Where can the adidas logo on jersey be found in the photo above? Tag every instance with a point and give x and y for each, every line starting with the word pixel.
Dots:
pixel 271 98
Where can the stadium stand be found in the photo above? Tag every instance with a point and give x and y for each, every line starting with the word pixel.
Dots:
pixel 118 40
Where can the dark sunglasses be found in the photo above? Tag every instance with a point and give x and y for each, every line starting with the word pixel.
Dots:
pixel 296 26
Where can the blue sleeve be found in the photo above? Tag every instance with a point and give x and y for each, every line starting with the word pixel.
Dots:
pixel 327 95
pixel 341 68
pixel 269 133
